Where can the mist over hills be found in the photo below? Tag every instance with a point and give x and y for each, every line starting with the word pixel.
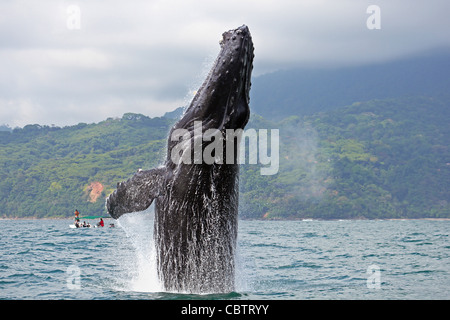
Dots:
pixel 306 91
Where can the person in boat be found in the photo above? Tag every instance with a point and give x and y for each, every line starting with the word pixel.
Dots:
pixel 77 218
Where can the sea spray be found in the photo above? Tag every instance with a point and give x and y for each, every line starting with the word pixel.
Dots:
pixel 244 272
pixel 303 154
pixel 141 272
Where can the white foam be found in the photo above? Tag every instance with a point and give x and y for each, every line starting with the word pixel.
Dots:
pixel 141 273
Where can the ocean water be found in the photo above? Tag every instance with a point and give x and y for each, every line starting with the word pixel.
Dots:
pixel 288 260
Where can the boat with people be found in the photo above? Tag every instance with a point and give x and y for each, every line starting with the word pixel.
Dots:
pixel 79 224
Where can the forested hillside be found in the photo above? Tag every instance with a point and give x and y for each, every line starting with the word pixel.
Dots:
pixel 386 158
pixel 375 159
pixel 51 171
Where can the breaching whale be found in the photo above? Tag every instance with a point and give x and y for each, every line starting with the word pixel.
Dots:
pixel 196 203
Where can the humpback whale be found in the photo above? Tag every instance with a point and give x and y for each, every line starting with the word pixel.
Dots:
pixel 196 202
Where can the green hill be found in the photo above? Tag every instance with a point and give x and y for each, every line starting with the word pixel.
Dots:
pixel 377 159
pixel 51 171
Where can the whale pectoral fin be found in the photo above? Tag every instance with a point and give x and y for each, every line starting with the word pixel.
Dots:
pixel 137 193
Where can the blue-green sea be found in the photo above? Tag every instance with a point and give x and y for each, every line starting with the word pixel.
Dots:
pixel 409 259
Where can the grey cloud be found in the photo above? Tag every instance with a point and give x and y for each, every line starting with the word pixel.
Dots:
pixel 147 56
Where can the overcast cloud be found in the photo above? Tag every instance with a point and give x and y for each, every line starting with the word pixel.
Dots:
pixel 149 56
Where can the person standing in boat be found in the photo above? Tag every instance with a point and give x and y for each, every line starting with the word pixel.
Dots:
pixel 77 218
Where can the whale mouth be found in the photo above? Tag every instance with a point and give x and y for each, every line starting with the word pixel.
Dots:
pixel 222 102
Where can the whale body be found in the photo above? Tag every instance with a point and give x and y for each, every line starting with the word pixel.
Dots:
pixel 196 201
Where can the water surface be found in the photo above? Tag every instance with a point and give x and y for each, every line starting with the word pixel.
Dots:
pixel 45 259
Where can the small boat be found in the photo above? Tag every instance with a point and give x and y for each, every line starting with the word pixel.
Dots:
pixel 73 226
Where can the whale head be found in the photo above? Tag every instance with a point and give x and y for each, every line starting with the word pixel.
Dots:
pixel 222 102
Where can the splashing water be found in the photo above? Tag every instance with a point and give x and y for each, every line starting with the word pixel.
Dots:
pixel 139 261
pixel 142 270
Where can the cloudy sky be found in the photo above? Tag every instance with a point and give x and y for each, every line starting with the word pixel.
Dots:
pixel 65 62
